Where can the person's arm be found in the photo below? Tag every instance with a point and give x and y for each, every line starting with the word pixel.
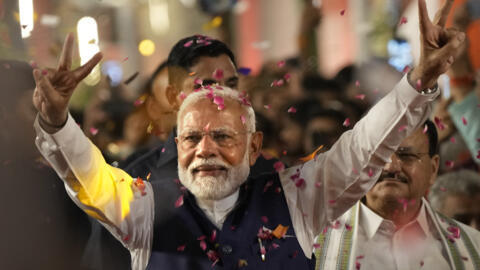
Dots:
pixel 122 205
pixel 337 179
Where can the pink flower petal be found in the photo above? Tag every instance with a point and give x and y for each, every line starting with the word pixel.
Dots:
pixel 279 166
pixel 361 96
pixel 318 184
pixel 370 172
pixel 403 20
pixel 267 185
pixel 439 123
pixel 346 123
pixel 218 100
pixel 453 140
pixel 213 237
pixel 449 164
pixel 281 63
pixel 464 120
pixel 203 245
pixel 275 245
pixel 402 128
pixel 179 201
pixel 242 118
pixel 264 219
pixel 292 110
pixel 188 43
pixel 218 74
pixel 181 248
pixel 198 81
pixel 348 227
pixel 182 95
pixel 332 201
pixel 357 83
pixel 287 77
pixel 342 12
pixel 425 129
pixel 300 182
pixel 418 84
pixel 267 107
pixel 202 237
pixel 93 131
pixel 406 69
pixel 33 64
pixel 221 107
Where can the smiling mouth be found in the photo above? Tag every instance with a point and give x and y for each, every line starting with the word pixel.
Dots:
pixel 208 169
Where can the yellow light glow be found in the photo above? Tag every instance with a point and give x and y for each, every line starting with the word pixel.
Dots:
pixel 26 17
pixel 146 47
pixel 87 33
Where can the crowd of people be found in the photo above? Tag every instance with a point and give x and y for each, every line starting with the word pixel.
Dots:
pixel 215 167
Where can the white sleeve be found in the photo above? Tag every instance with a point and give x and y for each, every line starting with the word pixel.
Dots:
pixel 104 192
pixel 338 178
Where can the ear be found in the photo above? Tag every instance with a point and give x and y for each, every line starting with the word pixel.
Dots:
pixel 255 147
pixel 172 93
pixel 435 163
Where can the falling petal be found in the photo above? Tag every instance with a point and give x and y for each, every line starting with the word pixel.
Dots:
pixel 287 77
pixel 126 238
pixel 163 150
pixel 318 184
pixel 221 107
pixel 292 110
pixel 218 74
pixel 346 123
pixel 244 71
pixel 267 107
pixel 264 219
pixel 403 20
pixel 402 128
pixel 418 84
pixel 370 172
pixel 357 83
pixel 284 152
pixel 198 81
pixel 33 64
pixel 406 69
pixel 360 96
pixel 93 131
pixel 342 12
pixel 421 263
pixel 125 59
pixel 316 245
pixel 275 245
pixel 449 164
pixel 332 201
pixel 181 248
pixel 213 237
pixel 300 182
pixel 218 100
pixel 279 166
pixel 464 120
pixel 44 72
pixel 453 140
pixel 203 245
pixel 268 185
pixel 348 227
pixel 242 118
pixel 281 63
pixel 425 129
pixel 140 100
pixel 439 123
pixel 188 43
pixel 179 201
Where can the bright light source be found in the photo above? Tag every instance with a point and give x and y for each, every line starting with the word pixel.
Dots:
pixel 159 20
pixel 188 3
pixel 87 33
pixel 26 17
pixel 146 47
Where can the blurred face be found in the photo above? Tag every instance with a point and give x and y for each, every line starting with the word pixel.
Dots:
pixel 463 208
pixel 159 109
pixel 204 69
pixel 214 149
pixel 409 175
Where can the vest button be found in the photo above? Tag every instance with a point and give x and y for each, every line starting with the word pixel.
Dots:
pixel 227 249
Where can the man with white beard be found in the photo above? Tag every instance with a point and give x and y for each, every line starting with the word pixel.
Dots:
pixel 219 216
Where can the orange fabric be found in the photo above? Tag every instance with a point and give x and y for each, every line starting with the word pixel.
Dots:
pixel 473 33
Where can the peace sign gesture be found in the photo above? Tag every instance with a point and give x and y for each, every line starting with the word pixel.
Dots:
pixel 54 87
pixel 439 46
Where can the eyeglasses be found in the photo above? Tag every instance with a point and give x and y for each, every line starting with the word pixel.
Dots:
pixel 222 137
pixel 407 157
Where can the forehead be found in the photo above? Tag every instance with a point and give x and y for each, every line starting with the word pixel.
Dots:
pixel 417 141
pixel 205 114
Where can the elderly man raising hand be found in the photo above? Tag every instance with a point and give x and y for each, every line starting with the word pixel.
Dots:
pixel 214 214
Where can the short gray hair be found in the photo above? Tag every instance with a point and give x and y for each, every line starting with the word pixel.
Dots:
pixel 462 182
pixel 219 91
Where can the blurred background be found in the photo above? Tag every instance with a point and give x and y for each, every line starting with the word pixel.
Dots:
pixel 311 69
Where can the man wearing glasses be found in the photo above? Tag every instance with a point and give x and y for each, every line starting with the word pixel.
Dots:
pixel 394 227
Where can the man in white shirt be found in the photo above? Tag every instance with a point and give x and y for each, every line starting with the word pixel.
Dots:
pixel 395 227
pixel 219 216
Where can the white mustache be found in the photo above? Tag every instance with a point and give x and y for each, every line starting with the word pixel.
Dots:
pixel 210 162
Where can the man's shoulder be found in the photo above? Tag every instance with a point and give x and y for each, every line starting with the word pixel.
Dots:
pixel 144 161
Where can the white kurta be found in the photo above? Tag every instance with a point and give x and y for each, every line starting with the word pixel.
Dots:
pixel 334 180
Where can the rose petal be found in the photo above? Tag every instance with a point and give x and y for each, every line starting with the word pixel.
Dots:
pixel 287 77
pixel 342 12
pixel 360 96
pixel 181 248
pixel 357 83
pixel 221 107
pixel 402 128
pixel 182 95
pixel 242 118
pixel 218 74
pixel 218 100
pixel 281 63
pixel 403 20
pixel 449 164
pixel 203 245
pixel 198 81
pixel 346 123
pixel 425 129
pixel 406 69
pixel 279 166
pixel 188 43
pixel 292 110
pixel 464 120
pixel 264 219
pixel 267 107
pixel 179 201
pixel 93 131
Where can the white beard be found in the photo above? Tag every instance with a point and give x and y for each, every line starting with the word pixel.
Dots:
pixel 214 187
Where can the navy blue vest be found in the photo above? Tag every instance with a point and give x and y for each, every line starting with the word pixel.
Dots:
pixel 179 233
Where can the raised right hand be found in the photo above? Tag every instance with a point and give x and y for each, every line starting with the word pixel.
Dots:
pixel 54 87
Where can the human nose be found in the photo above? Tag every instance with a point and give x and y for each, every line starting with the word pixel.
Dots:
pixel 206 148
pixel 394 165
